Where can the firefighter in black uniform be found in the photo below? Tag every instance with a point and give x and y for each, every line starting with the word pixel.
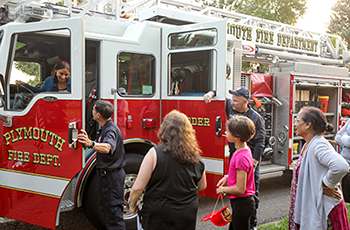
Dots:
pixel 109 164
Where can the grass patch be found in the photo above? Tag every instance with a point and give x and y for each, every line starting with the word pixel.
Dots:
pixel 283 224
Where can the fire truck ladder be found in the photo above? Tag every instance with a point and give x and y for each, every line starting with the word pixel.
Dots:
pixel 332 50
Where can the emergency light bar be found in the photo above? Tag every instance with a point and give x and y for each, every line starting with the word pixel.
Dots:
pixel 35 12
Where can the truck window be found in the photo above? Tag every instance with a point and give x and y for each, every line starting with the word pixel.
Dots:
pixel 192 39
pixel 191 73
pixel 136 74
pixel 33 59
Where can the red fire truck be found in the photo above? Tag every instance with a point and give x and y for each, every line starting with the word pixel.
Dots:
pixel 147 58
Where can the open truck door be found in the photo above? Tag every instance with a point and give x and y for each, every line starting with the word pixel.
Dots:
pixel 39 150
pixel 193 57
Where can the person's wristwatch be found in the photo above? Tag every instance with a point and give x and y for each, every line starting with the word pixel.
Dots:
pixel 92 144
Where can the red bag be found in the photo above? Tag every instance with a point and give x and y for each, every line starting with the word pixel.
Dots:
pixel 219 217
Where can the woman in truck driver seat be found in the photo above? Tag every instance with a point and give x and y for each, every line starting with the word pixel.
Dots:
pixel 59 81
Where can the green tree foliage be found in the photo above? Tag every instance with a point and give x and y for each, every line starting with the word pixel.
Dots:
pixel 285 11
pixel 30 68
pixel 340 20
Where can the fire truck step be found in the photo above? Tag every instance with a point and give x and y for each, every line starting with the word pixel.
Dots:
pixel 5 220
pixel 67 205
pixel 271 170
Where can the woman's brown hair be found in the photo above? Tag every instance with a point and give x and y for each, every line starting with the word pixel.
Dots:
pixel 177 134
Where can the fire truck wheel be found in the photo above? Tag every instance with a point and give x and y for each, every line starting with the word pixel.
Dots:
pixel 133 163
pixel 91 202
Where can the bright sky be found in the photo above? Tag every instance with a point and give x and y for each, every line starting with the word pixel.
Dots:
pixel 19 76
pixel 317 15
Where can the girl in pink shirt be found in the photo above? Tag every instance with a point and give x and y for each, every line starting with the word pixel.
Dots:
pixel 240 181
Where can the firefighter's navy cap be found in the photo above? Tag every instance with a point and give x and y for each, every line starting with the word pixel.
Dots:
pixel 243 92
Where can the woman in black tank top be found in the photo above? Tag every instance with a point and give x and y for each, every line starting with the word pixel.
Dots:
pixel 170 176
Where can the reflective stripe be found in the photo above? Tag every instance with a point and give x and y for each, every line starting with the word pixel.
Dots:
pixel 33 183
pixel 213 165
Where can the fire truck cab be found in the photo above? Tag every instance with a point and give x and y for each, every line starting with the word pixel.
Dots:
pixel 147 58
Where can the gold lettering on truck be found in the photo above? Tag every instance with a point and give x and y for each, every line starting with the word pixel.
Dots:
pixel 37 134
pixel 34 133
pixel 199 121
pixel 266 36
pixel 37 158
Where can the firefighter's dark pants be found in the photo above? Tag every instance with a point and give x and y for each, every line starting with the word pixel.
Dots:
pixel 253 219
pixel 112 192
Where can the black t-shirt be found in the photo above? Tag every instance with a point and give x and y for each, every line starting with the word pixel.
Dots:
pixel 115 159
pixel 171 195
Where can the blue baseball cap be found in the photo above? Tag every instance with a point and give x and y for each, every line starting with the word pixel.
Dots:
pixel 241 91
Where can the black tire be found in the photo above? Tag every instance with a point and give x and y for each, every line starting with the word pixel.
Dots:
pixel 91 198
pixel 91 202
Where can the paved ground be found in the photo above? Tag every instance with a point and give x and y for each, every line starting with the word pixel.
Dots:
pixel 274 205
